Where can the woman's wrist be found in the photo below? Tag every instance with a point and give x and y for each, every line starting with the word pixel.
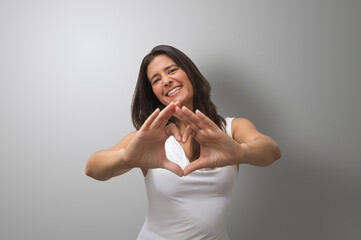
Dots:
pixel 244 149
pixel 123 160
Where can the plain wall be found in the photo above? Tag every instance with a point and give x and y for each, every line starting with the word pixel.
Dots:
pixel 67 75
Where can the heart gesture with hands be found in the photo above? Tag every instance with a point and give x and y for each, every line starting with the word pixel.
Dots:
pixel 146 150
pixel 217 149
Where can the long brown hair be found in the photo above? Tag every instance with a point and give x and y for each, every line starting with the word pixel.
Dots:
pixel 145 101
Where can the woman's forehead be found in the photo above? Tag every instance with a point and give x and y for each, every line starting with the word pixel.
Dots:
pixel 159 63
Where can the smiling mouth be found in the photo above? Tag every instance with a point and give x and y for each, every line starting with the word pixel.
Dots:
pixel 173 92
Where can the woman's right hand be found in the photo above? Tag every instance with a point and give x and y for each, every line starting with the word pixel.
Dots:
pixel 146 150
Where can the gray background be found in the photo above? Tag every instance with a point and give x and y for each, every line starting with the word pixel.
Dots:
pixel 68 70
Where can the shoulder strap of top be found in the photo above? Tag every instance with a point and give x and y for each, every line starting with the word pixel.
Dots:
pixel 229 126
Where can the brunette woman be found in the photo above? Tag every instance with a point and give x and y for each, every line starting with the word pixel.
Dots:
pixel 188 153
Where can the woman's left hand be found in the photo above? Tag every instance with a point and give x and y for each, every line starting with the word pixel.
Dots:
pixel 217 149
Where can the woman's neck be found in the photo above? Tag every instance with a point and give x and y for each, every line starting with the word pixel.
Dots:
pixel 181 125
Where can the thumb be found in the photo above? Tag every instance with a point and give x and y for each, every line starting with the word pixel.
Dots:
pixel 195 165
pixel 173 167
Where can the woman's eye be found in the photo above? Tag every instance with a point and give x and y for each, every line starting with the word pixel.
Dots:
pixel 172 70
pixel 155 81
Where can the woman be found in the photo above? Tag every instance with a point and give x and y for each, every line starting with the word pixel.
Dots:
pixel 189 154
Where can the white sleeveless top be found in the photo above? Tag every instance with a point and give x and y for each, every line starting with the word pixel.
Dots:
pixel 190 207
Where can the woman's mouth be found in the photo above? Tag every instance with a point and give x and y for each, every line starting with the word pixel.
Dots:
pixel 173 92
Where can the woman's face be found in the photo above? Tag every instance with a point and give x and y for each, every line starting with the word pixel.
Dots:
pixel 169 82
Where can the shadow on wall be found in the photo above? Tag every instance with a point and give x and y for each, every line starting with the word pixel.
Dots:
pixel 236 94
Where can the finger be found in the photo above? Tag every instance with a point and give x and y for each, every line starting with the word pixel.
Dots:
pixel 172 129
pixel 173 167
pixel 164 115
pixel 182 116
pixel 193 117
pixel 195 165
pixel 178 112
pixel 151 119
pixel 186 133
pixel 206 120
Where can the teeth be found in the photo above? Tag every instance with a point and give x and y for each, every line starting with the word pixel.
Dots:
pixel 173 91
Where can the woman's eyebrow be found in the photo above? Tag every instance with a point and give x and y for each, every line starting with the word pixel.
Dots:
pixel 165 69
pixel 172 65
pixel 150 80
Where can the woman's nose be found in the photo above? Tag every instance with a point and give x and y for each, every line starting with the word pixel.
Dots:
pixel 167 81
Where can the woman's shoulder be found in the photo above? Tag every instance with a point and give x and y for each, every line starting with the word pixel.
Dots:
pixel 243 129
pixel 240 121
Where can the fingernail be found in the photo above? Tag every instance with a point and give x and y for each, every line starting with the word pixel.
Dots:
pixel 184 139
pixel 179 138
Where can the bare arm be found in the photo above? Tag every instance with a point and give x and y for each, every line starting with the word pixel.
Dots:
pixel 258 149
pixel 141 149
pixel 105 164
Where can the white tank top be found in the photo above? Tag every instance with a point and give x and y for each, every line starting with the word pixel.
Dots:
pixel 190 207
